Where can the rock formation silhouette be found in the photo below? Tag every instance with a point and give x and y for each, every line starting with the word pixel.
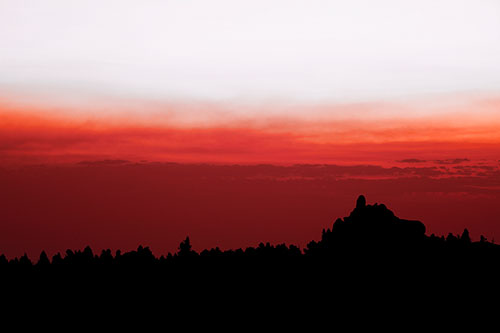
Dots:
pixel 372 224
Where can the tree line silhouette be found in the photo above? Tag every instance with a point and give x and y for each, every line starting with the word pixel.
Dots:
pixel 370 257
pixel 370 235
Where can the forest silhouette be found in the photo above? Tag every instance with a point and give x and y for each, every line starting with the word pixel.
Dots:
pixel 370 264
pixel 370 237
pixel 368 258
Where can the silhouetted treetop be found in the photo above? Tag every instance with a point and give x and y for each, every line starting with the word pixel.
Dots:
pixel 44 260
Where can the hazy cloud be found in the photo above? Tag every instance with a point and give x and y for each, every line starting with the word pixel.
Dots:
pixel 452 161
pixel 412 160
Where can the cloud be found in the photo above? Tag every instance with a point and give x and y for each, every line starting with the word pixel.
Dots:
pixel 44 137
pixel 104 162
pixel 156 49
pixel 452 161
pixel 412 160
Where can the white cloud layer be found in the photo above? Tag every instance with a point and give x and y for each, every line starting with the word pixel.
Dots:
pixel 259 50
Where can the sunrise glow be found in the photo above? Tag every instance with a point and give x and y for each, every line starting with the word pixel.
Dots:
pixel 109 111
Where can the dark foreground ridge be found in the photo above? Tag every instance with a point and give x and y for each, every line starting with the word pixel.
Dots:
pixel 371 251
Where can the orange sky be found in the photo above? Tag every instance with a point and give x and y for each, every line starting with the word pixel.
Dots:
pixel 40 135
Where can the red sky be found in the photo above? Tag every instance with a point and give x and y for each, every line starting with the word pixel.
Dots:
pixel 276 118
pixel 69 180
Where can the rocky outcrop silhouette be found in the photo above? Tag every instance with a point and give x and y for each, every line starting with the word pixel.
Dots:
pixel 375 224
pixel 368 230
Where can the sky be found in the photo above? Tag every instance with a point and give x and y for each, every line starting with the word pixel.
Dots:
pixel 222 50
pixel 404 94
